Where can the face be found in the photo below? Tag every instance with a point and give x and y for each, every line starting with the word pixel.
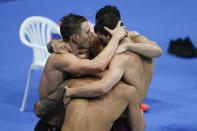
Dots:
pixel 103 39
pixel 85 35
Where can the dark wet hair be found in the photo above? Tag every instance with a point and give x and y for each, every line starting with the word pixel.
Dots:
pixel 71 24
pixel 107 16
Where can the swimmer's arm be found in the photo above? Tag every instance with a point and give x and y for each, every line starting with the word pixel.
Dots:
pixel 73 65
pixel 100 62
pixel 70 63
pixel 142 46
pixel 135 114
pixel 100 87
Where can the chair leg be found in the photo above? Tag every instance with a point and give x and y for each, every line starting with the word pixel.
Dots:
pixel 26 90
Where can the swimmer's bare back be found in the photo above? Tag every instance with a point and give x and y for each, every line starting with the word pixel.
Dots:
pixel 97 114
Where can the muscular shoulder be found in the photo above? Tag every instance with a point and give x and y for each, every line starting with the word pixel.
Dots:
pixel 60 59
pixel 119 60
pixel 131 56
pixel 124 59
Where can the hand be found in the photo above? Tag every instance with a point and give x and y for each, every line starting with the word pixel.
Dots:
pixel 122 48
pixel 133 33
pixel 119 31
pixel 59 47
pixel 67 92
pixel 49 46
pixel 66 98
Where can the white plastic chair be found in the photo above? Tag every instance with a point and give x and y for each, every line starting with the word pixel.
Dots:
pixel 36 32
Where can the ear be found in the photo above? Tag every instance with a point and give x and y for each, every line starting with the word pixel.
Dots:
pixel 75 38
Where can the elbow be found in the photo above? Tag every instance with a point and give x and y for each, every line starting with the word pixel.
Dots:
pixel 103 89
pixel 159 52
pixel 100 68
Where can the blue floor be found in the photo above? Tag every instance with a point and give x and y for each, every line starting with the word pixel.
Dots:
pixel 172 95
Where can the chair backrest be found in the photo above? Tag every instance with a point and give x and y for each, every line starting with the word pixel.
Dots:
pixel 36 32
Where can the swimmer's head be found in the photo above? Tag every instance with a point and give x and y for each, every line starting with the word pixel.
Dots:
pixel 107 16
pixel 107 9
pixel 76 29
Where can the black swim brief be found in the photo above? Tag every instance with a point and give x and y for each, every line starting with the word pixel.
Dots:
pixel 121 125
pixel 43 126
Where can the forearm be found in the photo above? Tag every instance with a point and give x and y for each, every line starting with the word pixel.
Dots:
pixel 97 88
pixel 104 57
pixel 145 49
pixel 46 106
pixel 92 90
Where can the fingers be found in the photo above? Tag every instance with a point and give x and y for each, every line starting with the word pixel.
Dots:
pixel 127 34
pixel 125 29
pixel 69 48
pixel 66 87
pixel 121 49
pixel 135 32
pixel 66 100
pixel 107 29
pixel 83 56
pixel 82 51
pixel 119 23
